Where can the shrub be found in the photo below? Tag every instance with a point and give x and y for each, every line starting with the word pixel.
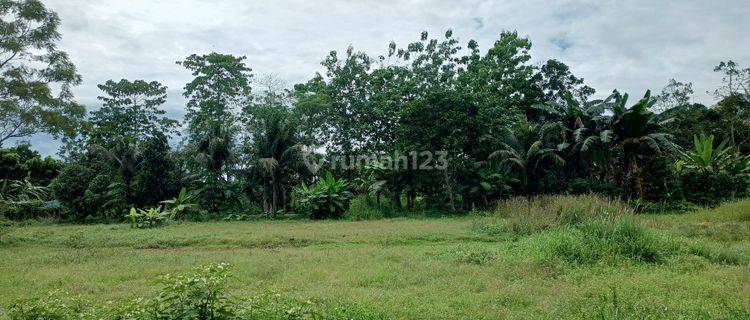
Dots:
pixel 150 218
pixel 195 296
pixel 362 208
pixel 55 306
pixel 70 187
pixel 35 209
pixel 586 186
pixel 182 203
pixel 711 188
pixel 104 197
pixel 326 198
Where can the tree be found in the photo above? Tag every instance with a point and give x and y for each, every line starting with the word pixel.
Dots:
pixel 35 76
pixel 675 94
pixel 556 81
pixel 637 134
pixel 156 178
pixel 735 80
pixel 528 148
pixel 125 158
pixel 704 157
pixel 130 110
pixel 220 86
pixel 337 105
pixel 277 155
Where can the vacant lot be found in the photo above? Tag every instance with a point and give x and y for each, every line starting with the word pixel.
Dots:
pixel 436 268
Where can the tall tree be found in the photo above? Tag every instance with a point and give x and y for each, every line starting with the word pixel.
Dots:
pixel 556 81
pixel 35 76
pixel 637 133
pixel 336 103
pixel 736 80
pixel 675 94
pixel 130 110
pixel 220 87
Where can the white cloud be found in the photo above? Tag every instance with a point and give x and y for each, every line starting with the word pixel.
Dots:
pixel 631 45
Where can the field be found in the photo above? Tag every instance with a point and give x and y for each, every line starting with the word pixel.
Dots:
pixel 405 268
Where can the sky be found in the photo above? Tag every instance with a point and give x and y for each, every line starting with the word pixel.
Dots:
pixel 629 45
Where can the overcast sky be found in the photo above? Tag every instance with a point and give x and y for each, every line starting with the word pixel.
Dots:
pixel 631 45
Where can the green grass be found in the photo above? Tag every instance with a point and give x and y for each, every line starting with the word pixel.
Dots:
pixel 684 266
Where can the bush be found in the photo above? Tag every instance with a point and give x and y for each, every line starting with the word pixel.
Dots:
pixel 711 188
pixel 25 210
pixel 200 295
pixel 362 208
pixel 104 197
pixel 326 198
pixel 150 218
pixel 586 186
pixel 70 187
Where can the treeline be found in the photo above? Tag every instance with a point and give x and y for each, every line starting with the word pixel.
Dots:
pixel 487 122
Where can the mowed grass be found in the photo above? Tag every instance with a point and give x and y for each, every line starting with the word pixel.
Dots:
pixel 431 268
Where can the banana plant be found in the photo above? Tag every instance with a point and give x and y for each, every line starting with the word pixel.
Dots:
pixel 327 197
pixel 15 190
pixel 181 203
pixel 153 217
pixel 705 157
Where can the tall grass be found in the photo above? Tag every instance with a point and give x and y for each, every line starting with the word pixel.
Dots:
pixel 521 217
pixel 609 241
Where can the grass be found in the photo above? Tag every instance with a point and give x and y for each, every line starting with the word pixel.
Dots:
pixel 583 264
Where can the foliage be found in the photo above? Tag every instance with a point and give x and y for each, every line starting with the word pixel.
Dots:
pixel 14 190
pixel 23 163
pixel 276 158
pixel 326 198
pixel 710 175
pixel 70 188
pixel 130 110
pixel 30 209
pixel 199 296
pixel 36 77
pixel 637 134
pixel 528 149
pixel 704 157
pixel 156 176
pixel 150 218
pixel 711 188
pixel 181 203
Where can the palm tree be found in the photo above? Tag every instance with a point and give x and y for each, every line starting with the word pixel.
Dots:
pixel 278 151
pixel 214 150
pixel 527 149
pixel 636 133
pixel 125 157
pixel 593 139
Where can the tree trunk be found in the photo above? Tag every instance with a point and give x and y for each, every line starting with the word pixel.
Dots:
pixel 449 190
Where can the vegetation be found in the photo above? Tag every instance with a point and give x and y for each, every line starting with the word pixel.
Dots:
pixel 690 265
pixel 432 125
pixel 536 187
